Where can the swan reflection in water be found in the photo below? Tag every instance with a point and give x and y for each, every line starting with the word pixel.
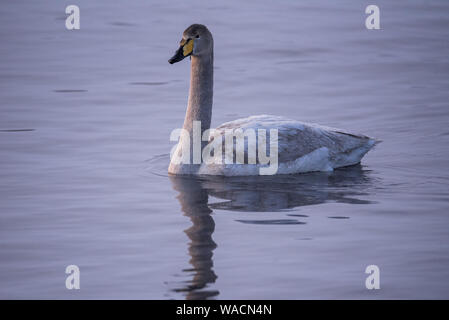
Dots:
pixel 254 194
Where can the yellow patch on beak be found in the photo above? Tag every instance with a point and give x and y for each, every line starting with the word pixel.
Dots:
pixel 187 48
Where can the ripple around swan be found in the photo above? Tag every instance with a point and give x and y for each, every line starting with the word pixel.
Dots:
pixel 272 222
pixel 274 193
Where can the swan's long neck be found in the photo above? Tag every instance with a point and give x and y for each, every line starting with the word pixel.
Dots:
pixel 199 107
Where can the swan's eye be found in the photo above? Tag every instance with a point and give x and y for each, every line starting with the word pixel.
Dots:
pixel 197 36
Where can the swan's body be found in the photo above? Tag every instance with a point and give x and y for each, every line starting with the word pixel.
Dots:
pixel 302 147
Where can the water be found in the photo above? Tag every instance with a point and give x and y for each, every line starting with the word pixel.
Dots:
pixel 85 118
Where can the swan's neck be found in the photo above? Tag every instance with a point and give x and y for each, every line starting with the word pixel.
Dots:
pixel 199 107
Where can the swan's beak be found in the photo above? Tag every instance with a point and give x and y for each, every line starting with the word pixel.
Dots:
pixel 184 50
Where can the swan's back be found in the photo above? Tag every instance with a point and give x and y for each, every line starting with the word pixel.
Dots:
pixel 302 147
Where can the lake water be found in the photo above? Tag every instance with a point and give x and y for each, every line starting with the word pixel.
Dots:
pixel 85 118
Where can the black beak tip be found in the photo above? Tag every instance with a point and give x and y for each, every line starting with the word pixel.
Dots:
pixel 177 57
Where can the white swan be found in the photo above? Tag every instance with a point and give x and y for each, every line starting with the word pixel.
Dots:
pixel 302 147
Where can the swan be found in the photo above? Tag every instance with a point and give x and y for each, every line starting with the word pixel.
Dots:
pixel 301 147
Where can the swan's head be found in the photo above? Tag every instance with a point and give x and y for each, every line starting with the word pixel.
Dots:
pixel 196 41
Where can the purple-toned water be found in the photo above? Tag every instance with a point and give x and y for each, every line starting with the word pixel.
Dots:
pixel 85 118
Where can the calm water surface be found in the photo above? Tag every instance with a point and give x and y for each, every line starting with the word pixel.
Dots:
pixel 85 118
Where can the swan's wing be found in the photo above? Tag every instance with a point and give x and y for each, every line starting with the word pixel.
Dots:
pixel 296 139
